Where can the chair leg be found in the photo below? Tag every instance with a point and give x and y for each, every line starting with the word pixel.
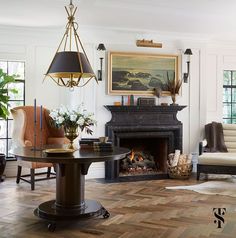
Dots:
pixel 32 178
pixel 49 172
pixel 198 175
pixel 18 174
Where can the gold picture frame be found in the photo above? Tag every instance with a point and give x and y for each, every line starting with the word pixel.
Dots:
pixel 139 74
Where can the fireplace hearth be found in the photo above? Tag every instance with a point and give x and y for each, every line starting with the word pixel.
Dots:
pixel 151 133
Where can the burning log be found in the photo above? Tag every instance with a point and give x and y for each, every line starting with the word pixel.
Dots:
pixel 138 161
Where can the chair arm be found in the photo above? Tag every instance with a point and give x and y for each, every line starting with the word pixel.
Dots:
pixel 201 146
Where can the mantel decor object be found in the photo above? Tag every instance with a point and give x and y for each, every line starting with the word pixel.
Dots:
pixel 70 66
pixel 173 87
pixel 146 101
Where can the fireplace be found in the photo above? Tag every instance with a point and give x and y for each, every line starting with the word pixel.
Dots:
pixel 151 133
pixel 147 157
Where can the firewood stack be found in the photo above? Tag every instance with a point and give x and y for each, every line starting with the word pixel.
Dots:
pixel 179 165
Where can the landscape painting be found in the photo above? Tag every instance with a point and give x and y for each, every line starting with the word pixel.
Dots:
pixel 139 74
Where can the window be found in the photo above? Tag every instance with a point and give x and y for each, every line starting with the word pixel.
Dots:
pixel 229 97
pixel 17 68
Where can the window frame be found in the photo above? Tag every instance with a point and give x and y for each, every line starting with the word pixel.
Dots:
pixel 8 137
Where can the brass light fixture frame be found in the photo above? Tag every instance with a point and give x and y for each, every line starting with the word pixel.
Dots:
pixel 69 67
pixel 148 43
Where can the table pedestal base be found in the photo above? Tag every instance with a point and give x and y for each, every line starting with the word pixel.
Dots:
pixel 52 214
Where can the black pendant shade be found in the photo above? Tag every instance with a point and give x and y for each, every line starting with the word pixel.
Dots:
pixel 70 63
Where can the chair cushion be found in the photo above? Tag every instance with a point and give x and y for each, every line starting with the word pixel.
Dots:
pixel 227 159
pixel 229 131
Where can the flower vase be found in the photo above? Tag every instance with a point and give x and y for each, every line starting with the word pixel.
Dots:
pixel 71 133
pixel 173 97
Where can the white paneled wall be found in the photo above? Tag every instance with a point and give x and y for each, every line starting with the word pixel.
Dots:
pixel 37 48
pixel 218 59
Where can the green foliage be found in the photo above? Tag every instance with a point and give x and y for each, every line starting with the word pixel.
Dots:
pixel 5 79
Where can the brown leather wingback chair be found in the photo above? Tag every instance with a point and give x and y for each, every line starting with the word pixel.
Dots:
pixel 23 135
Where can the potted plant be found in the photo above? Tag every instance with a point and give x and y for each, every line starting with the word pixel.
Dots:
pixel 5 79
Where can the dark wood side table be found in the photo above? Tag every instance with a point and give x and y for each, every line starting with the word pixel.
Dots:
pixel 70 183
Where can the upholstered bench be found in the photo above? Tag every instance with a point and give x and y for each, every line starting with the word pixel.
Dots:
pixel 220 162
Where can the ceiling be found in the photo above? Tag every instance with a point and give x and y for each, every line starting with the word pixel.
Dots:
pixel 214 18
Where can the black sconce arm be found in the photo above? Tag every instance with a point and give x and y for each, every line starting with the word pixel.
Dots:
pixel 100 70
pixel 101 47
pixel 187 52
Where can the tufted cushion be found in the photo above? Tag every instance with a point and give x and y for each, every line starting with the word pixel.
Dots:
pixel 229 131
pixel 219 158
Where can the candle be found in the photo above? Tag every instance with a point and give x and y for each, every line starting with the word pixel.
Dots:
pixel 41 117
pixel 35 111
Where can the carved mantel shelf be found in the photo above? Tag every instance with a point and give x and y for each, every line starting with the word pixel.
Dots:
pixel 144 115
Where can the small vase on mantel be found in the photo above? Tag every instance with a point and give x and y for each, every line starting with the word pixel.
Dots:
pixel 71 133
pixel 173 97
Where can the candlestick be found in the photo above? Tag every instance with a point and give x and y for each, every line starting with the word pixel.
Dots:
pixel 41 117
pixel 35 121
pixel 35 111
pixel 41 126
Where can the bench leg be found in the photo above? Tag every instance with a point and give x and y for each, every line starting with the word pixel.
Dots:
pixel 198 172
pixel 198 175
pixel 48 172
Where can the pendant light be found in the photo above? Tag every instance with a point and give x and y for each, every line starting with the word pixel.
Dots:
pixel 70 66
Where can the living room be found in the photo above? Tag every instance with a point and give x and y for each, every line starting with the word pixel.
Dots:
pixel 31 32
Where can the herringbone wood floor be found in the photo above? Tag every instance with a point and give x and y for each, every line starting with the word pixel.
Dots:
pixel 138 210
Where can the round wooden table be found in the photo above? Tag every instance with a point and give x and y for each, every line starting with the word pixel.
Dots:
pixel 71 169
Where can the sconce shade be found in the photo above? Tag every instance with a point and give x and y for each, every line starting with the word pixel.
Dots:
pixel 188 52
pixel 101 47
pixel 70 63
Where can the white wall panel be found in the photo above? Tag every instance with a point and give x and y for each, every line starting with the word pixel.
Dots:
pixel 40 48
pixel 211 79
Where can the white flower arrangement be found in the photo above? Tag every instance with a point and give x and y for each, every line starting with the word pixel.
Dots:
pixel 62 116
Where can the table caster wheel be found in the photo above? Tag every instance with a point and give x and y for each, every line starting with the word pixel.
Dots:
pixel 52 227
pixel 106 215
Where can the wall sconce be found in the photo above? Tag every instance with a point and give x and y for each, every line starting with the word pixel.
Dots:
pixel 101 47
pixel 187 52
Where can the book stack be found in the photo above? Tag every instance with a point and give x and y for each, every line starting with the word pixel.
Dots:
pixel 102 147
pixel 87 143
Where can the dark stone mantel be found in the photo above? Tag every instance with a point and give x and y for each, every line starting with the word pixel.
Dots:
pixel 145 122
pixel 144 115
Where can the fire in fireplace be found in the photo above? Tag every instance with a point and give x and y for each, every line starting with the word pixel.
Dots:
pixel 138 162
